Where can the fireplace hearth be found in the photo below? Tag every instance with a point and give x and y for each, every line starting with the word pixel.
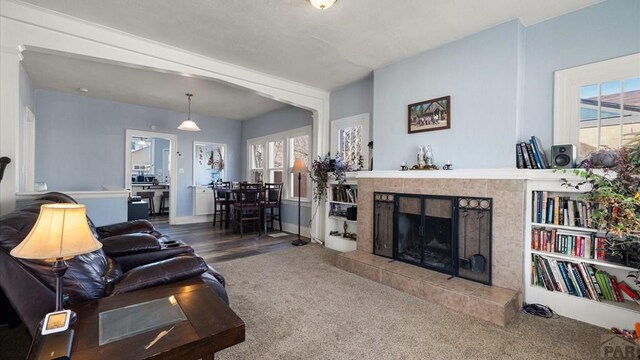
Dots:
pixel 448 234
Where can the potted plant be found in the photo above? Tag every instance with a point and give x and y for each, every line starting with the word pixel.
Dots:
pixel 322 170
pixel 614 196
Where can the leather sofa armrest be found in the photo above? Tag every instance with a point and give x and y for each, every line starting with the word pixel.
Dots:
pixel 128 244
pixel 134 226
pixel 213 272
pixel 160 273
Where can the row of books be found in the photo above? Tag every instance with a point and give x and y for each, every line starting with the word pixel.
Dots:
pixel 531 155
pixel 588 246
pixel 579 279
pixel 560 210
pixel 344 194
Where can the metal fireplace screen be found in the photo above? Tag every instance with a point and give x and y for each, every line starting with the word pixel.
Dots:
pixel 443 233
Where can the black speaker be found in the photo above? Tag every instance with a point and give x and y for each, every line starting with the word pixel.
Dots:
pixel 563 156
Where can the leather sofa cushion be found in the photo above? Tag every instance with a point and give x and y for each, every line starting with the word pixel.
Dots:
pixel 135 226
pixel 120 245
pixel 159 273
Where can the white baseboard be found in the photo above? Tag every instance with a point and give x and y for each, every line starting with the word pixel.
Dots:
pixel 293 228
pixel 181 220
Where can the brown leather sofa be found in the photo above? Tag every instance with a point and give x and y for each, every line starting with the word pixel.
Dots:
pixel 134 257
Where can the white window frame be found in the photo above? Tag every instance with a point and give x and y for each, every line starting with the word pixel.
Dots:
pixel 224 158
pixel 567 84
pixel 286 137
pixel 339 124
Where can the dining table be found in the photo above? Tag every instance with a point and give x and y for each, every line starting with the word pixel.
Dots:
pixel 231 193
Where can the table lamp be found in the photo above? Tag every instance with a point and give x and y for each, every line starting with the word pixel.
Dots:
pixel 299 167
pixel 60 233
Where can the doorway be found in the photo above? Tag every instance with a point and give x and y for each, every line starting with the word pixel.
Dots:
pixel 149 157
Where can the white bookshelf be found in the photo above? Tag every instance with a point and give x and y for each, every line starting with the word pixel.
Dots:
pixel 606 314
pixel 336 223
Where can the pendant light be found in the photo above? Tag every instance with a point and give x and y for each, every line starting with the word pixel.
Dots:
pixel 189 125
pixel 322 4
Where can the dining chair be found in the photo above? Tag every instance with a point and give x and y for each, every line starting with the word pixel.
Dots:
pixel 272 205
pixel 149 195
pixel 246 208
pixel 221 202
pixel 164 203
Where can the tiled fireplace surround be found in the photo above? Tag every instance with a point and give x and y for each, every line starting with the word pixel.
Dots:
pixel 497 303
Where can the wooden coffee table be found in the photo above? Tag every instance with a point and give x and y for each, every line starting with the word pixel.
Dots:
pixel 210 326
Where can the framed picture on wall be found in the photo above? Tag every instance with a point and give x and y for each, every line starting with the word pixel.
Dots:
pixel 430 115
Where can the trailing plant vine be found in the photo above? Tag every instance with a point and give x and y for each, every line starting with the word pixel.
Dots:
pixel 614 198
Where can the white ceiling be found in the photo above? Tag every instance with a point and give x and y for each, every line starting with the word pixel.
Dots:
pixel 64 73
pixel 293 40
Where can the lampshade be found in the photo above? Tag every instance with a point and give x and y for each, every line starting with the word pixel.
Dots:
pixel 61 231
pixel 189 125
pixel 299 166
pixel 322 4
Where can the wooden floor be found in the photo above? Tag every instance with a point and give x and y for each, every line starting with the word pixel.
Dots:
pixel 216 245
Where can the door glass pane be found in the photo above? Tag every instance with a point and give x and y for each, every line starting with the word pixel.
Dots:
pixel 610 114
pixel 631 101
pixel 257 157
pixel 588 133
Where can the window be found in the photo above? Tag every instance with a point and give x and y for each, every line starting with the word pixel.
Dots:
pixel 257 164
pixel 271 159
pixel 350 138
pixel 598 105
pixel 208 162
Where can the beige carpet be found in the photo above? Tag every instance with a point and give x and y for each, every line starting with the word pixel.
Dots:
pixel 297 305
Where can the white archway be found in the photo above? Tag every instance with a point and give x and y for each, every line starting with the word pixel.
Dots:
pixel 26 26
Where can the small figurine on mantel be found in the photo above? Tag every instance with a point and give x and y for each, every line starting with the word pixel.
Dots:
pixel 428 157
pixel 447 166
pixel 420 156
pixel 404 167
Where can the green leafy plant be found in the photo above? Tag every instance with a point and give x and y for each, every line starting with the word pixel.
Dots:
pixel 614 198
pixel 321 171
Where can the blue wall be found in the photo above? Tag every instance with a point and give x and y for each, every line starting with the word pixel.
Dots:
pixel 500 81
pixel 353 99
pixel 607 30
pixel 480 74
pixel 80 142
pixel 287 118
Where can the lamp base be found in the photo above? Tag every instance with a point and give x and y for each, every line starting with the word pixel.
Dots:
pixel 299 242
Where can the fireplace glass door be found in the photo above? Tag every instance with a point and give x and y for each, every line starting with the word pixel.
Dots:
pixel 438 238
pixel 409 245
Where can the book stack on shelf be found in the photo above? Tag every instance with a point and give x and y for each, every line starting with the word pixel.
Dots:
pixel 531 155
pixel 580 279
pixel 560 210
pixel 344 194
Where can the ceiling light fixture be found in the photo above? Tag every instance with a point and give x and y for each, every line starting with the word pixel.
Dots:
pixel 189 125
pixel 322 4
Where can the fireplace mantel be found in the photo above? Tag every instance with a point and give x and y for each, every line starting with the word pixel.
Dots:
pixel 497 174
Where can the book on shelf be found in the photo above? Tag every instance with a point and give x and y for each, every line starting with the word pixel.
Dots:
pixel 530 155
pixel 570 243
pixel 344 193
pixel 560 210
pixel 579 279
